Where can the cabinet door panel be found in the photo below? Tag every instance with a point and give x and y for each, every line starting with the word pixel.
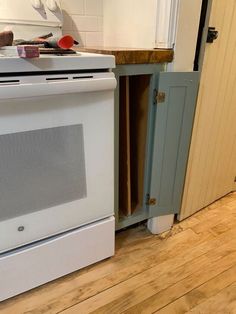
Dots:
pixel 171 140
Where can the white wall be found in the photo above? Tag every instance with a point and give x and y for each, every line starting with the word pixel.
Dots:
pixel 133 24
pixel 84 20
pixel 187 33
pixel 130 23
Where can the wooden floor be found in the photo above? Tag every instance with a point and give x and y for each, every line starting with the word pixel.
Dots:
pixel 191 269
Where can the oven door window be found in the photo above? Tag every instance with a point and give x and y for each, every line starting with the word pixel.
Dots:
pixel 41 169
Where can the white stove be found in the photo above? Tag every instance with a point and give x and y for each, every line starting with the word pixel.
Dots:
pixel 57 155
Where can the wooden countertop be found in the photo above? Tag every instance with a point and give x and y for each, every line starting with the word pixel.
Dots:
pixel 133 56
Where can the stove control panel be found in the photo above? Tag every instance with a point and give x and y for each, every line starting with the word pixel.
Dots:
pixel 31 12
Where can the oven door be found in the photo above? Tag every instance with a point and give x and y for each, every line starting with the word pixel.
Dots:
pixel 57 156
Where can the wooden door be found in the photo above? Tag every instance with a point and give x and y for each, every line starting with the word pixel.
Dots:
pixel 171 140
pixel 212 161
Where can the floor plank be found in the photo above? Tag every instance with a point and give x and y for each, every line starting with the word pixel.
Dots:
pixel 148 287
pixel 223 302
pixel 184 270
pixel 201 293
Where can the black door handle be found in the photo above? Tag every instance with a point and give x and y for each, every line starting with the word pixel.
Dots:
pixel 212 34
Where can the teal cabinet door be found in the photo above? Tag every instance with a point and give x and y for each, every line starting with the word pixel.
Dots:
pixel 171 137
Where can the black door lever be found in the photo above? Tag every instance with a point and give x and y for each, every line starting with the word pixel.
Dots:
pixel 212 34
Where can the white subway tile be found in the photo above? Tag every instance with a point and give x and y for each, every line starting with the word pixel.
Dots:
pixel 100 24
pixel 83 19
pixel 85 23
pixel 94 39
pixel 67 21
pixel 73 6
pixel 94 7
pixel 78 36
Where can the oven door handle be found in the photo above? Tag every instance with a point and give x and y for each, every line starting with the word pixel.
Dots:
pixel 51 88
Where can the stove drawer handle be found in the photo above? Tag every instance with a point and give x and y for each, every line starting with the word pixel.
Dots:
pixel 56 88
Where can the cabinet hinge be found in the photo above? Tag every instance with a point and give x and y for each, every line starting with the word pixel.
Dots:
pixel 159 97
pixel 150 201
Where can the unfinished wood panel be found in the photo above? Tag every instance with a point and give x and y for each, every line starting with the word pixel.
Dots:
pixel 212 160
pixel 233 161
pixel 124 148
pixel 134 100
pixel 139 94
pixel 186 267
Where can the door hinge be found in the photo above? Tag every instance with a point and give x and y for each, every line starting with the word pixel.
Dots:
pixel 150 201
pixel 159 97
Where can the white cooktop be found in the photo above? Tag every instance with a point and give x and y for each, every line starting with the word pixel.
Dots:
pixel 31 18
pixel 79 61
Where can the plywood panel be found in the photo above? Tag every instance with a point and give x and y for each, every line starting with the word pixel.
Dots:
pixel 124 152
pixel 134 100
pixel 234 164
pixel 212 160
pixel 139 97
